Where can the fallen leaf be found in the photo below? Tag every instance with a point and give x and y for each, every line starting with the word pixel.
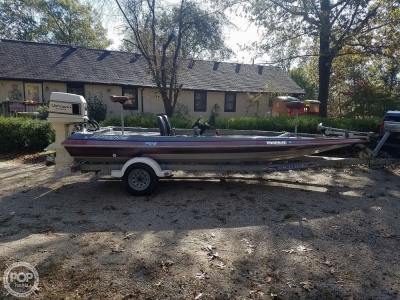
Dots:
pixel 212 256
pixel 117 248
pixel 301 250
pixel 221 266
pixel 249 250
pixel 307 285
pixel 208 248
pixel 290 251
pixel 167 263
pixel 158 283
pixel 290 285
pixel 256 294
pixel 198 296
pixel 326 262
pixel 202 275
pixel 128 236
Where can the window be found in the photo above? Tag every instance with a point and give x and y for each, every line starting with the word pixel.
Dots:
pixel 132 103
pixel 230 102
pixel 33 91
pixel 77 89
pixel 200 101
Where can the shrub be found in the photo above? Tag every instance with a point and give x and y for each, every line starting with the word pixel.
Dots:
pixel 22 134
pixel 97 110
pixel 182 111
pixel 43 111
pixel 307 124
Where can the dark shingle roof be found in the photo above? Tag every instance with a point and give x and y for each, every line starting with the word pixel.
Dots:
pixel 50 62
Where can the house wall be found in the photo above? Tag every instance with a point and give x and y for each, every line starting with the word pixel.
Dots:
pixel 11 91
pixel 148 100
pixel 104 92
pixel 152 103
pixel 49 87
pixel 279 108
pixel 15 91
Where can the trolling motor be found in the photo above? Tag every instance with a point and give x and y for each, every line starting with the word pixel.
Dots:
pixel 296 105
pixel 199 128
pixel 121 100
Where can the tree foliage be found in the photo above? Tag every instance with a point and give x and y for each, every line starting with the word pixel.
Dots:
pixel 52 21
pixel 327 29
pixel 168 35
pixel 300 76
pixel 16 20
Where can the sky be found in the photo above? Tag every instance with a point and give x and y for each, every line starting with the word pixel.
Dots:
pixel 245 34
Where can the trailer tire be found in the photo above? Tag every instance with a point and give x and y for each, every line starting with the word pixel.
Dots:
pixel 140 179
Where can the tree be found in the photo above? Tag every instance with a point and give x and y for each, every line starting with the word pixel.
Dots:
pixel 167 36
pixel 301 78
pixel 71 23
pixel 338 27
pixel 16 20
pixel 52 21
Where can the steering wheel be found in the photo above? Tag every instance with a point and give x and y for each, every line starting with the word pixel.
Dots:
pixel 92 125
pixel 196 123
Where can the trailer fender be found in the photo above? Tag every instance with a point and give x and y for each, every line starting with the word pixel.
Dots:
pixel 145 160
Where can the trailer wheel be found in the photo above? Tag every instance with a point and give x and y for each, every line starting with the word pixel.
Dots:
pixel 140 180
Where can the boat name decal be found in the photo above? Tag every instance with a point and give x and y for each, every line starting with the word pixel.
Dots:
pixel 109 137
pixel 277 142
pixel 150 143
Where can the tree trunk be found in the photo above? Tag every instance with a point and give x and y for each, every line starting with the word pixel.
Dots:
pixel 325 58
pixel 324 70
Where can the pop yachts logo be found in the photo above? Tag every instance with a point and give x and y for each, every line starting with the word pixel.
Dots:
pixel 21 279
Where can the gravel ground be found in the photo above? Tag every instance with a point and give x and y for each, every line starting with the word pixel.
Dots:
pixel 315 234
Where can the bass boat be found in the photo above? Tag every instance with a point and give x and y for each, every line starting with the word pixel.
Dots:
pixel 79 139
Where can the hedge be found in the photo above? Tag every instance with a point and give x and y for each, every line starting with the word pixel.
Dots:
pixel 22 134
pixel 307 124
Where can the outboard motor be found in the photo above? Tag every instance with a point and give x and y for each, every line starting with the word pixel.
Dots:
pixel 65 111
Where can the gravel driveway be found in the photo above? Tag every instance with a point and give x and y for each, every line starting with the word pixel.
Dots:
pixel 315 234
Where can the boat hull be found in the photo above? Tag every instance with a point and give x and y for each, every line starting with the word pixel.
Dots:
pixel 203 149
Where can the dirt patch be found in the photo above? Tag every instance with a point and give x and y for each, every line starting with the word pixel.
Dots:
pixel 314 234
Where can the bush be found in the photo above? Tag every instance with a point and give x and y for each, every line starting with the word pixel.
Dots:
pixel 307 124
pixel 182 111
pixel 146 121
pixel 43 111
pixel 21 134
pixel 97 110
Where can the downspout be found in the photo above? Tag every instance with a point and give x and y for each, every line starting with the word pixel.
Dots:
pixel 141 96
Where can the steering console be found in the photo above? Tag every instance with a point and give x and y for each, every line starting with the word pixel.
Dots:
pixel 202 126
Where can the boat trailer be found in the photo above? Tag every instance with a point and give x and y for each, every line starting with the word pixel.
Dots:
pixel 140 175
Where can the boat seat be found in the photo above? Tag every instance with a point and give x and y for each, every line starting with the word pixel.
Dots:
pixel 119 99
pixel 164 125
pixel 161 126
pixel 295 104
pixel 167 123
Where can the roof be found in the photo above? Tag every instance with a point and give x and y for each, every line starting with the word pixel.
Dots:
pixel 312 101
pixel 62 63
pixel 288 99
